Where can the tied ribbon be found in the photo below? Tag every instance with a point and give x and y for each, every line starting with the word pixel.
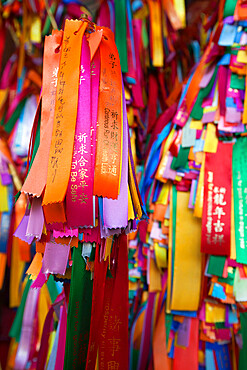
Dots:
pixel 113 349
pixel 37 176
pixel 239 168
pixel 109 132
pixel 25 344
pixel 61 150
pixel 216 217
pixel 79 197
pixel 62 338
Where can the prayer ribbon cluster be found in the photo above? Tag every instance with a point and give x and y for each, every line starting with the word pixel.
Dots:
pixel 101 280
pixel 188 265
pixel 82 193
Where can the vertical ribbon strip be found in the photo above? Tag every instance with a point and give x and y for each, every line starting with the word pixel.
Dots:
pixel 109 131
pixel 61 151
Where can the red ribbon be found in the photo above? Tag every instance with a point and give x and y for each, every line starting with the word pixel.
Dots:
pixel 216 218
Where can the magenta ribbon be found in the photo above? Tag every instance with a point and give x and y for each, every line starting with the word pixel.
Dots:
pixel 66 233
pixel 137 88
pixel 40 280
pixel 146 340
pixel 79 196
pixel 22 229
pixel 18 98
pixel 43 351
pixel 62 338
pixel 24 347
pixel 95 75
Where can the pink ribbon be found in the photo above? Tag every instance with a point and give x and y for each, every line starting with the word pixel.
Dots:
pixel 62 338
pixel 113 217
pixel 24 347
pixel 79 197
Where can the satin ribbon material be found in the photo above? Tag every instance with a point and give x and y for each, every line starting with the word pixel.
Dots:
pixel 62 338
pixel 37 177
pixel 216 218
pixel 113 350
pixel 43 352
pixel 121 33
pixel 36 219
pixel 100 268
pixel 79 311
pixel 187 358
pixel 187 262
pixel 156 33
pixel 239 162
pixel 79 196
pixel 24 347
pixel 109 131
pixel 60 156
pixel 55 258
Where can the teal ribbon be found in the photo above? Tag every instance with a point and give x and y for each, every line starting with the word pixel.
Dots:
pixel 239 172
pixel 121 33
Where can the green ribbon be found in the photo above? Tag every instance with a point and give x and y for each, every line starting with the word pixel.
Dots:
pixel 243 351
pixel 52 288
pixel 14 117
pixel 216 265
pixel 239 173
pixel 79 313
pixel 237 82
pixel 15 331
pixel 229 8
pixel 181 160
pixel 121 33
pixel 197 111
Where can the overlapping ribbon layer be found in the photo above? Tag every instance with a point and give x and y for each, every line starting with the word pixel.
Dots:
pixel 188 266
pixel 80 135
pixel 84 200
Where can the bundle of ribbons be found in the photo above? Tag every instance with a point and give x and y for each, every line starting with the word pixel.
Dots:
pixel 188 266
pixel 82 200
pixel 157 51
pixel 154 56
pixel 22 33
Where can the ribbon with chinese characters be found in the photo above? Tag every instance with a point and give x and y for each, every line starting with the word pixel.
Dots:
pixel 79 196
pixel 113 349
pixel 61 150
pixel 100 269
pixel 239 171
pixel 109 131
pixel 186 262
pixel 216 216
pixel 36 179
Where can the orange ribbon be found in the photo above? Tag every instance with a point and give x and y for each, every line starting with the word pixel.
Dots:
pixel 36 179
pixel 60 156
pixel 109 127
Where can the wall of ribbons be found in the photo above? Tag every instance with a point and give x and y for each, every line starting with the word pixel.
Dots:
pixel 123 202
